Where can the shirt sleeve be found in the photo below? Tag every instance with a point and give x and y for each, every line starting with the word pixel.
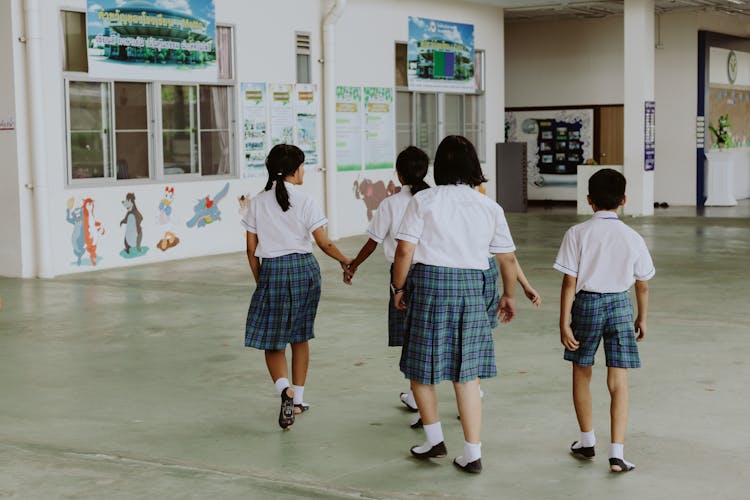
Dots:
pixel 412 224
pixel 502 241
pixel 644 267
pixel 381 221
pixel 567 257
pixel 314 216
pixel 247 217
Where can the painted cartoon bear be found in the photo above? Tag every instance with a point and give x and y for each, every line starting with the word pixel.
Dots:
pixel 133 228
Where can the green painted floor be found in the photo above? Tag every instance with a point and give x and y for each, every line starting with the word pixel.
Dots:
pixel 134 383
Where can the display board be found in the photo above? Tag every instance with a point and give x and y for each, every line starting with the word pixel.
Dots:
pixel 255 129
pixel 380 142
pixel 348 128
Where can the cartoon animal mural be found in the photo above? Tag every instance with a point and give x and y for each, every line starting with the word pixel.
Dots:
pixel 86 230
pixel 207 209
pixel 164 218
pixel 373 193
pixel 133 229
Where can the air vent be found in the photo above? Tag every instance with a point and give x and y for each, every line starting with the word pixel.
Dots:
pixel 303 42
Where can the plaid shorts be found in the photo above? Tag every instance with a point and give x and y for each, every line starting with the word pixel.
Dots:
pixel 447 335
pixel 282 310
pixel 396 321
pixel 491 295
pixel 608 315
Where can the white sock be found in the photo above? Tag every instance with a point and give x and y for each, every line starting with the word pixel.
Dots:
pixel 472 453
pixel 299 390
pixel 408 398
pixel 481 393
pixel 616 450
pixel 434 434
pixel 587 439
pixel 281 384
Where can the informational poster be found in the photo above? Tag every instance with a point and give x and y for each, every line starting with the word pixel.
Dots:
pixel 306 112
pixel 348 128
pixel 255 125
pixel 282 113
pixel 649 136
pixel 380 148
pixel 152 39
pixel 440 56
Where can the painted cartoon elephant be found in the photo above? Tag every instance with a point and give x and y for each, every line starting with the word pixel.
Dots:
pixel 373 193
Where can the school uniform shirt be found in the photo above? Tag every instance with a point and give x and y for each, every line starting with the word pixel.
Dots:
pixel 387 218
pixel 283 233
pixel 604 255
pixel 455 226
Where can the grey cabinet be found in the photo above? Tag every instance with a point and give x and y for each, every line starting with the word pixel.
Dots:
pixel 510 158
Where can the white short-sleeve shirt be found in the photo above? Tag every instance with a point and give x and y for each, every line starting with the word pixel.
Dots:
pixel 283 233
pixel 455 226
pixel 384 224
pixel 604 255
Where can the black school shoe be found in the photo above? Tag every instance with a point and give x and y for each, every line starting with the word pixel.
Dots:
pixel 286 413
pixel 618 465
pixel 474 467
pixel 437 451
pixel 584 452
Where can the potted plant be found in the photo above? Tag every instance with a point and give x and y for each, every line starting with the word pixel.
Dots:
pixel 722 132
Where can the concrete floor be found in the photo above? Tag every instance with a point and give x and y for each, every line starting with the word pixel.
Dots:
pixel 134 383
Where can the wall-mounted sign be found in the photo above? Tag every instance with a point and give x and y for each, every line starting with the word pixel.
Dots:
pixel 440 56
pixel 649 136
pixel 700 132
pixel 152 39
pixel 348 128
pixel 7 123
pixel 380 148
pixel 732 67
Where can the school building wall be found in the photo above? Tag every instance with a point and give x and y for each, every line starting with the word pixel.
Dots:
pixel 582 62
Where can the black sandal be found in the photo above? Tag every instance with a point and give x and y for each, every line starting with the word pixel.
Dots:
pixel 618 465
pixel 302 407
pixel 286 413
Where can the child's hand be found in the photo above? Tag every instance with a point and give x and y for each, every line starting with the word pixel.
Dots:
pixel 244 201
pixel 567 339
pixel 348 273
pixel 399 299
pixel 533 296
pixel 506 309
pixel 640 329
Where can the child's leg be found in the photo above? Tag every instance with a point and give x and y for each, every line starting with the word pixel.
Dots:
pixel 300 362
pixel 426 397
pixel 582 397
pixel 617 383
pixel 469 409
pixel 276 363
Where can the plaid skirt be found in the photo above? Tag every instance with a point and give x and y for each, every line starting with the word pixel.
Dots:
pixel 491 295
pixel 447 335
pixel 396 321
pixel 282 310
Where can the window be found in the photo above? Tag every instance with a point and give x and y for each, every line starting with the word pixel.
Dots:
pixel 303 57
pixel 179 111
pixel 423 119
pixel 214 130
pixel 88 130
pixel 132 143
pixel 75 56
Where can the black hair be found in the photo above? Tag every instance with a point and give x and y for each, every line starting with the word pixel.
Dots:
pixel 412 164
pixel 607 189
pixel 282 160
pixel 456 162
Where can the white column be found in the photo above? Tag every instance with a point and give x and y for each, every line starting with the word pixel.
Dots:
pixel 639 88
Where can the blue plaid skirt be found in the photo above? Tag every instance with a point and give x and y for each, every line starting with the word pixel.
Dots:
pixel 491 295
pixel 447 335
pixel 282 310
pixel 396 321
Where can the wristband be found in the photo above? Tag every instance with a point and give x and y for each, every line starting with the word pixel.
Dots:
pixel 395 290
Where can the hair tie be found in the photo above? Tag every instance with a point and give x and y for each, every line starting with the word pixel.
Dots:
pixel 278 174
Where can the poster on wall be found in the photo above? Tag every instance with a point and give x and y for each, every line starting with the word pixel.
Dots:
pixel 255 126
pixel 348 128
pixel 557 142
pixel 152 39
pixel 440 56
pixel 306 114
pixel 380 148
pixel 282 113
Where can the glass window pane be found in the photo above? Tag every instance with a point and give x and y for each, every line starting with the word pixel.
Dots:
pixel 401 79
pixel 74 34
pixel 427 123
pixel 224 52
pixel 132 155
pixel 404 120
pixel 131 106
pixel 179 129
pixel 303 68
pixel 479 70
pixel 215 153
pixel 214 107
pixel 89 129
pixel 453 114
pixel 474 123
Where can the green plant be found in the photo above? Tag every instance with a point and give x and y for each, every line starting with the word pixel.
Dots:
pixel 722 132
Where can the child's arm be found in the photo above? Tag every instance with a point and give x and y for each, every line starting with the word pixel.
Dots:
pixel 329 248
pixel 506 309
pixel 641 298
pixel 401 265
pixel 567 295
pixel 252 244
pixel 528 290
pixel 362 256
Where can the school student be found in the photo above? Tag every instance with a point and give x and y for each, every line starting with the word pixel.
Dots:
pixel 447 232
pixel 411 167
pixel 278 223
pixel 601 259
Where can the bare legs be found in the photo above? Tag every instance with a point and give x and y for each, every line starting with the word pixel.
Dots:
pixel 582 396
pixel 617 383
pixel 470 409
pixel 277 365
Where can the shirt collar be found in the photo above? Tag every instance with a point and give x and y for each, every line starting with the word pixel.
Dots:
pixel 605 214
pixel 289 185
pixel 406 189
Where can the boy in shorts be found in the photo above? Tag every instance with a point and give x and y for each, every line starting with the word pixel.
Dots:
pixel 601 259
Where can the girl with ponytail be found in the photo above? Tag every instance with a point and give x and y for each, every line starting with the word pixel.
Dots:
pixel 278 224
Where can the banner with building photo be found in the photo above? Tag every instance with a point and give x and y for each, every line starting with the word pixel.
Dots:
pixel 254 128
pixel 440 56
pixel 172 40
pixel 348 128
pixel 380 148
pixel 306 111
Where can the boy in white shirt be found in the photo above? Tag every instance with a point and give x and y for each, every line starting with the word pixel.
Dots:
pixel 601 259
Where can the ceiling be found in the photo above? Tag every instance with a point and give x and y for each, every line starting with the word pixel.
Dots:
pixel 522 10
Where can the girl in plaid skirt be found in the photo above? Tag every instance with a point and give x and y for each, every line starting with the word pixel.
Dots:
pixel 278 223
pixel 411 167
pixel 447 233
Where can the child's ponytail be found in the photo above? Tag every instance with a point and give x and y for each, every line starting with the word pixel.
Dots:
pixel 412 164
pixel 283 160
